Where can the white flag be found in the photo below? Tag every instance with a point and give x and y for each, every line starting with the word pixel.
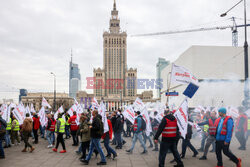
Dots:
pixel 145 116
pixel 199 108
pixel 138 104
pixel 102 112
pixel 18 116
pixel 60 110
pixel 182 118
pixel 4 109
pixel 20 108
pixel 94 103
pixel 45 103
pixel 42 115
pixel 129 114
pixel 181 75
pixel 32 109
pixel 79 111
pixel 27 110
pixel 233 112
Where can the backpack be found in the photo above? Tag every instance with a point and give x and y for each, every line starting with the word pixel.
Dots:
pixel 143 124
pixel 2 130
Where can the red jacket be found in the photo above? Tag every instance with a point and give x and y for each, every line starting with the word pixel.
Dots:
pixel 36 123
pixel 72 122
pixel 110 130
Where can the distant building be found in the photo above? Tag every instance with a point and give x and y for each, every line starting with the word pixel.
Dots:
pixel 74 78
pixel 23 92
pixel 161 64
pixel 36 100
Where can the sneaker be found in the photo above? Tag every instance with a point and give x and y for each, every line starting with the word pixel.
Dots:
pixel 195 154
pixel 239 163
pixel 144 152
pixel 50 146
pixel 124 142
pixel 203 158
pixel 242 148
pixel 173 161
pixel 18 143
pixel 156 149
pixel 129 151
pixel 108 156
pixel 102 163
pixel 114 155
pixel 54 149
pixel 85 162
pixel 78 152
pixel 24 150
pixel 63 151
pixel 151 146
pixel 200 150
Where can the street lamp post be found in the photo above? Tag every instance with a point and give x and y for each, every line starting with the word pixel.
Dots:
pixel 54 103
pixel 246 86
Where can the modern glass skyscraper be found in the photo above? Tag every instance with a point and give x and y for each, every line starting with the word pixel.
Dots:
pixel 74 78
pixel 161 64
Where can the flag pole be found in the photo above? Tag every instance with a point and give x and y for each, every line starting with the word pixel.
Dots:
pixel 169 83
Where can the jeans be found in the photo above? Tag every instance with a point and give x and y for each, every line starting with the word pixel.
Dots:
pixel 74 137
pixel 114 142
pixel 210 140
pixel 42 129
pixel 164 147
pixel 147 137
pixel 80 148
pixel 95 143
pixel 7 138
pixel 50 137
pixel 60 140
pixel 135 137
pixel 204 137
pixel 220 146
pixel 118 137
pixel 186 143
pixel 35 135
pixel 106 145
pixel 1 149
pixel 84 148
pixel 67 130
pixel 241 137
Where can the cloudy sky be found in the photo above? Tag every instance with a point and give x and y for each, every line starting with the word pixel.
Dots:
pixel 36 36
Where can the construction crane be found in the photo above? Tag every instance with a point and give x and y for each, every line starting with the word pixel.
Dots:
pixel 233 28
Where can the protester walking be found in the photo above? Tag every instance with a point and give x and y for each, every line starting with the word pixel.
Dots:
pixel 241 128
pixel 26 130
pixel 85 135
pixel 224 129
pixel 96 131
pixel 14 131
pixel 36 125
pixel 8 133
pixel 169 130
pixel 73 129
pixel 138 133
pixel 211 138
pixel 60 130
pixel 50 130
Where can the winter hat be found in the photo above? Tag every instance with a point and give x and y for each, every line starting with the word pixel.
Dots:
pixel 222 110
pixel 138 112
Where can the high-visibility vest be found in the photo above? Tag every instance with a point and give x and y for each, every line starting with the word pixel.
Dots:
pixel 248 127
pixel 9 125
pixel 52 126
pixel 212 127
pixel 224 126
pixel 67 119
pixel 16 128
pixel 170 129
pixel 62 126
pixel 206 127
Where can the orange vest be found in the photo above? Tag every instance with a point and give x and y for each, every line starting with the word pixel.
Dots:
pixel 224 126
pixel 170 129
pixel 212 127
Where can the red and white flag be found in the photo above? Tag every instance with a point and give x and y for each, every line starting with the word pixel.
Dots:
pixel 102 112
pixel 45 103
pixel 129 114
pixel 182 118
pixel 181 75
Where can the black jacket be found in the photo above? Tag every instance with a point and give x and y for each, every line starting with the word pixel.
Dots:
pixel 189 131
pixel 118 128
pixel 3 126
pixel 161 128
pixel 96 126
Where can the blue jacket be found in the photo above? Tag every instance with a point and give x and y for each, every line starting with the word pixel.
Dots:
pixel 227 138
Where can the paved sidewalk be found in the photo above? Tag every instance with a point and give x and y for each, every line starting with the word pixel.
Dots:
pixel 44 157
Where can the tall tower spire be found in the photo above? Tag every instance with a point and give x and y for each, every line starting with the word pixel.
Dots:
pixel 114 6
